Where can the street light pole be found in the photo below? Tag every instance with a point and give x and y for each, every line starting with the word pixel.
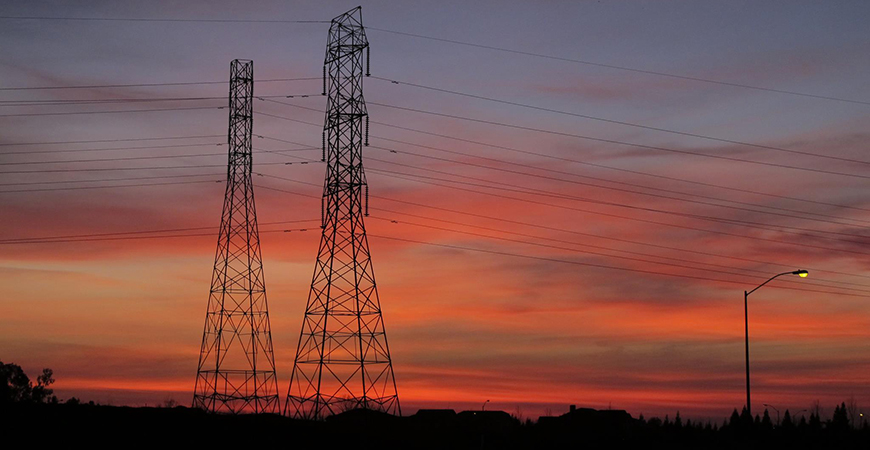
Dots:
pixel 746 327
pixel 800 273
pixel 777 412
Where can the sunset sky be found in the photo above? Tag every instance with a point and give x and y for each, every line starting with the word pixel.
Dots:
pixel 593 252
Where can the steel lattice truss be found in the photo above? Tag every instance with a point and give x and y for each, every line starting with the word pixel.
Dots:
pixel 236 371
pixel 342 359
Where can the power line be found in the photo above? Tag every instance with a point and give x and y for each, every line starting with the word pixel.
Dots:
pixel 106 86
pixel 466 163
pixel 141 19
pixel 98 160
pixel 30 183
pixel 133 158
pixel 624 68
pixel 660 273
pixel 110 140
pixel 27 103
pixel 680 262
pixel 403 176
pixel 550 228
pixel 104 169
pixel 766 227
pixel 585 264
pixel 609 238
pixel 18 191
pixel 70 113
pixel 619 169
pixel 619 122
pixel 451 41
pixel 746 223
pixel 533 191
pixel 563 159
pixel 545 193
pixel 123 233
pixel 110 149
pixel 614 141
pixel 600 266
pixel 129 238
pixel 780 228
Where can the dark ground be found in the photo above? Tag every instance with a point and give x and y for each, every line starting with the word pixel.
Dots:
pixel 95 425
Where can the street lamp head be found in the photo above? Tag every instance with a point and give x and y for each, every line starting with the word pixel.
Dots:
pixel 801 273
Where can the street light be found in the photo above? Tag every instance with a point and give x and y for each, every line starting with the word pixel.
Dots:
pixel 777 412
pixel 801 273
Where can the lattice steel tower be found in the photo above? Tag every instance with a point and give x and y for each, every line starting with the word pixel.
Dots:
pixel 236 371
pixel 342 359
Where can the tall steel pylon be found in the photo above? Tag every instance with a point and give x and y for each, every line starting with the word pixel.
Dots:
pixel 236 371
pixel 342 359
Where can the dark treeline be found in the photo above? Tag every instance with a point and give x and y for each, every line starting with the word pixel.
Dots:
pixel 441 429
pixel 30 410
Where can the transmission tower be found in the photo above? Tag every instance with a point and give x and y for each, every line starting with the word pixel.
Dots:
pixel 342 359
pixel 236 371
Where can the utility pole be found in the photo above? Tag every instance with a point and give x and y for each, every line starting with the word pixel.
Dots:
pixel 342 358
pixel 236 371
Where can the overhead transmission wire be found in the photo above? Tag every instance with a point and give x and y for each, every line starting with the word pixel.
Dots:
pixel 583 263
pixel 556 247
pixel 134 158
pixel 602 266
pixel 681 262
pixel 572 174
pixel 510 187
pixel 450 41
pixel 119 111
pixel 517 172
pixel 114 186
pixel 547 193
pixel 621 67
pixel 30 183
pixel 640 193
pixel 126 235
pixel 610 238
pixel 74 102
pixel 654 261
pixel 93 141
pixel 619 169
pixel 619 122
pixel 653 256
pixel 618 142
pixel 571 160
pixel 108 169
pixel 579 233
pixel 544 191
pixel 108 86
pixel 410 177
pixel 124 158
pixel 110 149
pixel 158 19
pixel 414 110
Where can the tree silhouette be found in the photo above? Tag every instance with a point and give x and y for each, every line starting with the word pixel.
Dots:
pixel 735 419
pixel 786 421
pixel 765 421
pixel 16 387
pixel 746 419
pixel 840 421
